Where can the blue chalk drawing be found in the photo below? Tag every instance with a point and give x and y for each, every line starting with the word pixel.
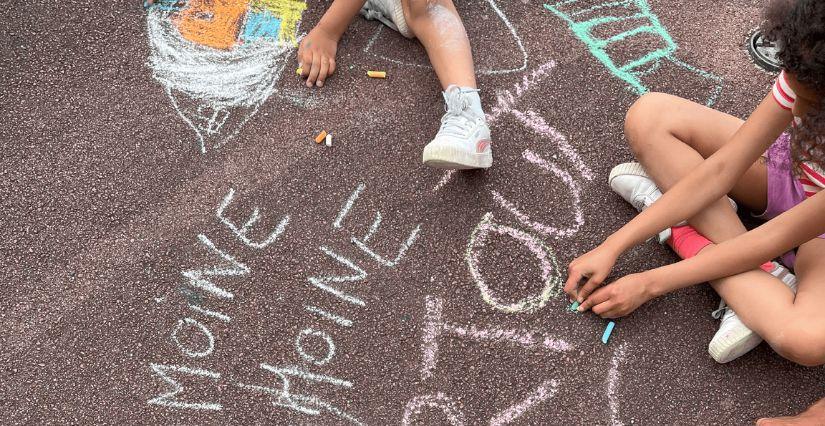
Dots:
pixel 260 24
pixel 632 71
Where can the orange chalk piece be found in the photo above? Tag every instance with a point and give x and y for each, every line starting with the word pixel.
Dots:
pixel 377 74
pixel 321 136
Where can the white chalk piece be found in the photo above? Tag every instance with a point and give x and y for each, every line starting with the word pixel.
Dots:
pixel 328 142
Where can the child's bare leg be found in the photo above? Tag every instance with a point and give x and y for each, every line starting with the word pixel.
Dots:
pixel 439 28
pixel 671 136
pixel 813 416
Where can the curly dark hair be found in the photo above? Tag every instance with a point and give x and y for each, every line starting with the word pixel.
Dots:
pixel 798 27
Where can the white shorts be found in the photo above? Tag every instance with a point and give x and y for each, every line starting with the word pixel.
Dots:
pixel 390 13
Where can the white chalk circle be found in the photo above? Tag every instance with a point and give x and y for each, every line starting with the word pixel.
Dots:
pixel 550 278
pixel 189 323
pixel 311 358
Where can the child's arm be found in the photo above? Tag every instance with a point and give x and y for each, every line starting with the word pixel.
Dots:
pixel 316 56
pixel 802 223
pixel 686 198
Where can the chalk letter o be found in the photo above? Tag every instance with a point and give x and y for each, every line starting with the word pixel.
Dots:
pixel 188 351
pixel 310 358
pixel 549 266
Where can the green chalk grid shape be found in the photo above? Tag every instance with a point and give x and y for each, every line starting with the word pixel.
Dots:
pixel 632 71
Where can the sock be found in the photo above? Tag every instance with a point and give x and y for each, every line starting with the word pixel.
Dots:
pixel 474 100
pixel 687 242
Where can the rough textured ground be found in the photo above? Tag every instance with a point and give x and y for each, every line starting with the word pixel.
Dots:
pixel 107 202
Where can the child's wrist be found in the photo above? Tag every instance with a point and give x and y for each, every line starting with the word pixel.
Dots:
pixel 615 245
pixel 331 31
pixel 654 280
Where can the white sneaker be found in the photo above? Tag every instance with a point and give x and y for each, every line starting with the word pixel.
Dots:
pixel 389 13
pixel 634 185
pixel 734 338
pixel 637 188
pixel 463 142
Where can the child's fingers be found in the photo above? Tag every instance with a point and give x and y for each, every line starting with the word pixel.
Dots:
pixel 602 308
pixel 331 66
pixel 322 75
pixel 598 297
pixel 305 63
pixel 573 278
pixel 592 283
pixel 316 68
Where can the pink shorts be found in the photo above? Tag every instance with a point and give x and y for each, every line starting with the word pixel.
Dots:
pixel 784 189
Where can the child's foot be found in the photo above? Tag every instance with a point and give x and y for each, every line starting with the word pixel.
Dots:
pixel 734 338
pixel 390 13
pixel 813 416
pixel 463 142
pixel 634 185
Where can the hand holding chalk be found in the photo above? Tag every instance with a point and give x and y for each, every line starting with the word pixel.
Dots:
pixel 316 56
pixel 620 297
pixel 592 268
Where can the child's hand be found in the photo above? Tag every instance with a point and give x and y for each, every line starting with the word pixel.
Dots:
pixel 595 266
pixel 316 56
pixel 619 298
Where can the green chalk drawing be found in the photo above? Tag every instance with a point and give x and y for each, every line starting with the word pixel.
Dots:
pixel 632 71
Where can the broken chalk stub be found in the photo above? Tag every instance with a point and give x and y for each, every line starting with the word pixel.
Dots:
pixel 328 141
pixel 608 331
pixel 574 307
pixel 299 71
pixel 377 74
pixel 321 136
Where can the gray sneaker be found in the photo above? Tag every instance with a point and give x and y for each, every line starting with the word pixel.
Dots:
pixel 463 141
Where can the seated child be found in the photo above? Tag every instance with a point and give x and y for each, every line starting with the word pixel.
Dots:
pixel 463 141
pixel 699 157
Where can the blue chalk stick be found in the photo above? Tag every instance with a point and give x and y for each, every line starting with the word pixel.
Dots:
pixel 574 307
pixel 607 332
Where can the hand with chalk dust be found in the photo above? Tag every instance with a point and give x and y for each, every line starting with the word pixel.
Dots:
pixel 620 297
pixel 590 269
pixel 316 56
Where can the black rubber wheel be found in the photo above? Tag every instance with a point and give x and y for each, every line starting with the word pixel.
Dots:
pixel 763 52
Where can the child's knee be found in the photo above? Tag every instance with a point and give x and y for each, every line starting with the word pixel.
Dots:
pixel 643 118
pixel 419 10
pixel 802 342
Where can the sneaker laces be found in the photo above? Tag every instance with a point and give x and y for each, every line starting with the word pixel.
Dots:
pixel 458 119
pixel 721 310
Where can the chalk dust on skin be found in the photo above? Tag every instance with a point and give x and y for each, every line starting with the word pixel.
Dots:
pixel 486 25
pixel 449 26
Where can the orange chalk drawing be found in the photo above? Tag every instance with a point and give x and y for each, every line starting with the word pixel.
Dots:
pixel 213 23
